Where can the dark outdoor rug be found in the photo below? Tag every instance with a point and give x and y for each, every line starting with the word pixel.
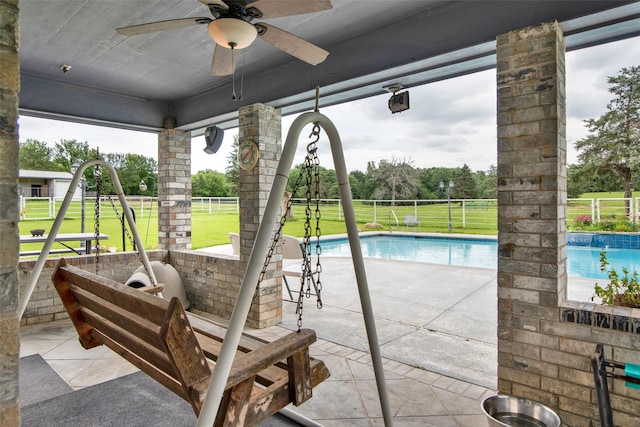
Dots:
pixel 131 401
pixel 38 381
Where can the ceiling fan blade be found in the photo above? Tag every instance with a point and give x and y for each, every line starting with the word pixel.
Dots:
pixel 278 8
pixel 291 44
pixel 220 3
pixel 224 61
pixel 152 27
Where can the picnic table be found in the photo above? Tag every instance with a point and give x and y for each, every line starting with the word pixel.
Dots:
pixel 63 239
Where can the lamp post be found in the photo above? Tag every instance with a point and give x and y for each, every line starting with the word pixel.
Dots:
pixel 83 186
pixel 448 191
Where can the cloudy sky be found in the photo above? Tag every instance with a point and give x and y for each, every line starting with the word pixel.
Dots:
pixel 450 123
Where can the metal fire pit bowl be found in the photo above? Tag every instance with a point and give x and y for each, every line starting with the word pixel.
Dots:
pixel 511 411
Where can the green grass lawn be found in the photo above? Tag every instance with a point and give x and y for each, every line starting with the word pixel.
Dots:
pixel 209 229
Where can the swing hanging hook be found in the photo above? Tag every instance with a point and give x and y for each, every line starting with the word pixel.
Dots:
pixel 311 147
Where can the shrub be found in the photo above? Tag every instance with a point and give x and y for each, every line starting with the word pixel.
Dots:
pixel 608 224
pixel 611 223
pixel 582 220
pixel 623 290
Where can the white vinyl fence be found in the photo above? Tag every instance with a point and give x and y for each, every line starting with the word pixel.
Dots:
pixel 474 213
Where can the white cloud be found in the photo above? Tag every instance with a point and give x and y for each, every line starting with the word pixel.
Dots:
pixel 450 123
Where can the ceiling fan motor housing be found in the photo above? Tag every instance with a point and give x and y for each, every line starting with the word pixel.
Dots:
pixel 232 27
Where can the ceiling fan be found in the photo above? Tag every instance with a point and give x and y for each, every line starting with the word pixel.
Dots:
pixel 232 28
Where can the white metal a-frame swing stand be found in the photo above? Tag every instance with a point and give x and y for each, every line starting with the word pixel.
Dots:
pixel 259 252
pixel 42 258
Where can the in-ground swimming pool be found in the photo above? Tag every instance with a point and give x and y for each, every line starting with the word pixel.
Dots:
pixel 582 261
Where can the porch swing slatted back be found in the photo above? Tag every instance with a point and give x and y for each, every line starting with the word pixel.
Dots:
pixel 131 323
pixel 179 350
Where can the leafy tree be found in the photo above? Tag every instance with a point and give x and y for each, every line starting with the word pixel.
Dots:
pixel 232 172
pixel 394 180
pixel 328 187
pixel 294 174
pixel 135 168
pixel 581 179
pixel 69 151
pixel 488 183
pixel 465 184
pixel 37 155
pixel 209 183
pixel 329 183
pixel 430 179
pixel 357 182
pixel 131 170
pixel 367 185
pixel 613 143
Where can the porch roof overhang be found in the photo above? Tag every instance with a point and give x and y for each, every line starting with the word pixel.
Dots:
pixel 137 82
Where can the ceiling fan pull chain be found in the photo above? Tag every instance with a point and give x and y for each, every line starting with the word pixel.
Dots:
pixel 233 77
pixel 244 55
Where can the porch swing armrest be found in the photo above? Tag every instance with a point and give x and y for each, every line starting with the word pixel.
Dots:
pixel 249 364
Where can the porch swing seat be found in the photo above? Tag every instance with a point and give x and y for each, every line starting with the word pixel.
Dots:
pixel 179 349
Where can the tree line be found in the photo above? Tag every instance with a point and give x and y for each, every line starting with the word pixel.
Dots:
pixel 131 168
pixel 392 179
pixel 608 160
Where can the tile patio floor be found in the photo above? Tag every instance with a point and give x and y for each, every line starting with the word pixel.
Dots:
pixel 437 331
pixel 348 398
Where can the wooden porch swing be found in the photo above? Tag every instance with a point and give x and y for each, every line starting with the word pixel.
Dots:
pixel 180 349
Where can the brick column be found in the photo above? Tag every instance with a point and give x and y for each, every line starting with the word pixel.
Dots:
pixel 531 207
pixel 174 189
pixel 261 124
pixel 9 213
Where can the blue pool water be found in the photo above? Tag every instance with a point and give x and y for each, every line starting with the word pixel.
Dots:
pixel 581 261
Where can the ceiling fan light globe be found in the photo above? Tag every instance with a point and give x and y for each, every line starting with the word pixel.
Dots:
pixel 232 32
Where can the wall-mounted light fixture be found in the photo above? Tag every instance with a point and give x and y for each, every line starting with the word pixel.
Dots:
pixel 398 101
pixel 213 136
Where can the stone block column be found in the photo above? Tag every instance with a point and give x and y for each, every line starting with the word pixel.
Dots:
pixel 9 213
pixel 174 189
pixel 261 124
pixel 531 207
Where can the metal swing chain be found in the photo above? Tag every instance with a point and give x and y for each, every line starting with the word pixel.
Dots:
pixel 97 174
pixel 278 233
pixel 129 237
pixel 318 232
pixel 306 266
pixel 312 168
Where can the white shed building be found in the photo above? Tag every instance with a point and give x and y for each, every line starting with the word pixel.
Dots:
pixel 47 184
